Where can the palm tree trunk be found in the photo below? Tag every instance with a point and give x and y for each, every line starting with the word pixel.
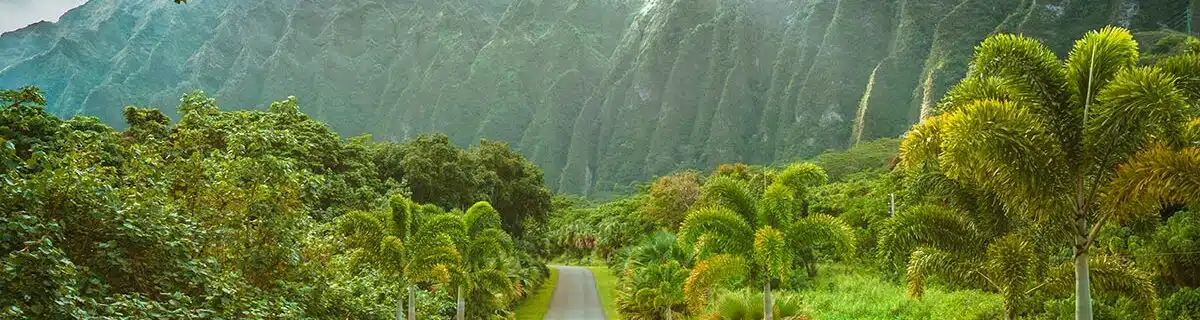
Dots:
pixel 462 311
pixel 1083 284
pixel 412 302
pixel 768 306
pixel 400 309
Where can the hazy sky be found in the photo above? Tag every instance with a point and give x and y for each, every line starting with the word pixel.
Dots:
pixel 15 14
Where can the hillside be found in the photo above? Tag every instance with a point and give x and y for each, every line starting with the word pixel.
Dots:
pixel 599 93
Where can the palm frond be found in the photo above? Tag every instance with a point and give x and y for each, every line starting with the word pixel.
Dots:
pixel 724 231
pixel 1096 59
pixel 925 262
pixel 1138 105
pixel 730 193
pixel 933 226
pixel 442 223
pixel 771 253
pixel 777 206
pixel 746 304
pixel 492 281
pixel 402 216
pixel 652 291
pixel 489 244
pixel 823 234
pixel 481 216
pixel 430 260
pixel 719 268
pixel 391 254
pixel 802 176
pixel 1186 69
pixel 1113 275
pixel 1005 148
pixel 1030 66
pixel 361 230
pixel 1191 133
pixel 923 143
pixel 979 88
pixel 1010 262
pixel 658 248
pixel 1153 176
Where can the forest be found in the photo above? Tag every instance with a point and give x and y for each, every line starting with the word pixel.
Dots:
pixel 1039 186
pixel 256 215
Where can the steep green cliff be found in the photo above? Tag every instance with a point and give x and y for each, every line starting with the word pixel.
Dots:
pixel 598 92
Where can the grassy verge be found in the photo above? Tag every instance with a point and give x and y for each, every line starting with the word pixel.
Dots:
pixel 842 292
pixel 606 284
pixel 535 306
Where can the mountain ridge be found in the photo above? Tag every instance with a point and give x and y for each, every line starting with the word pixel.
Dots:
pixel 600 93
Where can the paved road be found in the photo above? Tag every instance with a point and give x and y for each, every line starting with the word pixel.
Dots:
pixel 575 296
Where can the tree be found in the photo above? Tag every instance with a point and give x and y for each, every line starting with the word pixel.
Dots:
pixel 413 243
pixel 25 96
pixel 670 198
pixel 771 234
pixel 958 247
pixel 440 173
pixel 653 291
pixel 513 184
pixel 1050 138
pixel 225 214
pixel 487 259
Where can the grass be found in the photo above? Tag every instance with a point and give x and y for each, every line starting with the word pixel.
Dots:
pixel 842 292
pixel 535 307
pixel 606 284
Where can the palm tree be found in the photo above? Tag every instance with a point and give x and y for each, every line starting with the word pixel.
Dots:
pixel 968 239
pixel 653 291
pixel 743 305
pixel 1047 136
pixel 653 272
pixel 413 243
pixel 960 247
pixel 771 234
pixel 487 257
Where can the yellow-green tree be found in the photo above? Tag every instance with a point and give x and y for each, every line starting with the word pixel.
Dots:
pixel 1059 141
pixel 414 243
pixel 772 234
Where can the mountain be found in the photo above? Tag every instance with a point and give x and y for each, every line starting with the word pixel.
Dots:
pixel 598 92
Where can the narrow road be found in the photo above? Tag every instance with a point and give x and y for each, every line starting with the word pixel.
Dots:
pixel 575 296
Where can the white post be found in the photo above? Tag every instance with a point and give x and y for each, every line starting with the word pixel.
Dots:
pixel 892 204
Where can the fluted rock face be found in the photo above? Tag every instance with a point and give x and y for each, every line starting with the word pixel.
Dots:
pixel 598 92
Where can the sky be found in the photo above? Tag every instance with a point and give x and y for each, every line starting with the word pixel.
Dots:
pixel 16 14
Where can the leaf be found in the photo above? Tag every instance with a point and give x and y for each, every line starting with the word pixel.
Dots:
pixel 723 230
pixel 1005 148
pixel 1137 106
pixel 1152 177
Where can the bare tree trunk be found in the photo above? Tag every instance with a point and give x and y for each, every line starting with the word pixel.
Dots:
pixel 1083 283
pixel 412 302
pixel 462 311
pixel 768 305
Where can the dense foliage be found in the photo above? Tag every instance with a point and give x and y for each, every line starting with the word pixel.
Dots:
pixel 254 214
pixel 599 93
pixel 1044 188
pixel 1037 187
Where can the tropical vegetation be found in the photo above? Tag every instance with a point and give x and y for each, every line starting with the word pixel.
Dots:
pixel 1036 187
pixel 255 214
pixel 1043 188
